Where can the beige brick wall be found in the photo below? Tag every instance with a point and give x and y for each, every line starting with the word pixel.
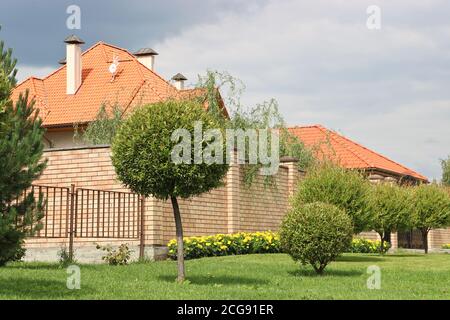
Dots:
pixel 231 208
pixel 438 237
pixel 263 207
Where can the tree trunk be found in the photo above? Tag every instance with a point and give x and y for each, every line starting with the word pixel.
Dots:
pixel 180 244
pixel 425 239
pixel 385 238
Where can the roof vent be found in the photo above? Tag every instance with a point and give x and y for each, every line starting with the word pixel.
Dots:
pixel 146 56
pixel 179 81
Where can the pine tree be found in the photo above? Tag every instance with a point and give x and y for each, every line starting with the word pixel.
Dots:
pixel 21 149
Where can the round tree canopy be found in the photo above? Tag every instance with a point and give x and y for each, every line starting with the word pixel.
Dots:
pixel 142 151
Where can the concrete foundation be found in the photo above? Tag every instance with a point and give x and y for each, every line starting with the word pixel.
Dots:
pixel 90 254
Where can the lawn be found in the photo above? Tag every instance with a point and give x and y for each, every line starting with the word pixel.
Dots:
pixel 270 276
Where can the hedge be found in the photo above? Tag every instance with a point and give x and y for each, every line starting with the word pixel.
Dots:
pixel 446 246
pixel 248 243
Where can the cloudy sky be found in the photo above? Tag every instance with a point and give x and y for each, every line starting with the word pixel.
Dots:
pixel 388 89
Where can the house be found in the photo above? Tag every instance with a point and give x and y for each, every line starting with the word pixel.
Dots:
pixel 81 187
pixel 352 155
pixel 104 74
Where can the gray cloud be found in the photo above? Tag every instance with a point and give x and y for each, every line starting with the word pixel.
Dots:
pixel 386 89
pixel 36 29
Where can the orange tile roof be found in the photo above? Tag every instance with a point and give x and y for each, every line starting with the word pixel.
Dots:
pixel 348 153
pixel 133 84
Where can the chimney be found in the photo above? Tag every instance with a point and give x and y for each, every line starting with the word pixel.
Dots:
pixel 146 56
pixel 73 63
pixel 179 81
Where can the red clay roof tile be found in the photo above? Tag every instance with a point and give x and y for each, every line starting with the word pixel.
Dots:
pixel 348 153
pixel 133 84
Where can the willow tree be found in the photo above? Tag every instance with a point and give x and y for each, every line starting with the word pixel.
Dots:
pixel 146 156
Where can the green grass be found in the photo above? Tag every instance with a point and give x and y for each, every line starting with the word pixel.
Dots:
pixel 270 276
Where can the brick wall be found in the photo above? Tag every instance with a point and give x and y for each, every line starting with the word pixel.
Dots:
pixel 228 209
pixel 231 208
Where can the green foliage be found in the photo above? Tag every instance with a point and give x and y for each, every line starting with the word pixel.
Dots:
pixel 252 243
pixel 104 128
pixel 343 188
pixel 265 115
pixel 64 258
pixel 142 151
pixel 227 244
pixel 446 246
pixel 21 149
pixel 360 245
pixel 390 207
pixel 431 207
pixel 8 73
pixel 316 234
pixel 445 163
pixel 116 257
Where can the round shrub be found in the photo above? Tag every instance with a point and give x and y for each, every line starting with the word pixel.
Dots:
pixel 316 234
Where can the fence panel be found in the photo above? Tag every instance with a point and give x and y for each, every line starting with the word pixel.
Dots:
pixel 56 206
pixel 107 214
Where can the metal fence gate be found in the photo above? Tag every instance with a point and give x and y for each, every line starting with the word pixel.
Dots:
pixel 89 213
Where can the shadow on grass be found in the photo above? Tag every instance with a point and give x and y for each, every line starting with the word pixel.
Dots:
pixel 221 280
pixel 45 266
pixel 32 266
pixel 406 255
pixel 20 288
pixel 355 258
pixel 326 272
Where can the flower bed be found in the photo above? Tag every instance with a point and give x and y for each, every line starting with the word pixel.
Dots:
pixel 360 245
pixel 250 243
pixel 227 244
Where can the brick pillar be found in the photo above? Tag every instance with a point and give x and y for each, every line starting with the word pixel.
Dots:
pixel 153 228
pixel 293 173
pixel 431 242
pixel 233 184
pixel 394 240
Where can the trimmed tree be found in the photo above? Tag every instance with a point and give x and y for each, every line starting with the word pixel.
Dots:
pixel 21 149
pixel 445 164
pixel 143 150
pixel 316 234
pixel 343 188
pixel 390 207
pixel 430 210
